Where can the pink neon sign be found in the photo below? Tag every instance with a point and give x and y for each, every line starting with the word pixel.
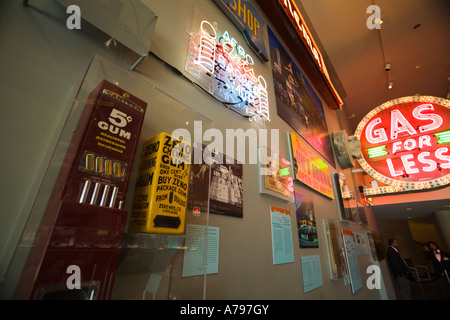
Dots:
pixel 405 143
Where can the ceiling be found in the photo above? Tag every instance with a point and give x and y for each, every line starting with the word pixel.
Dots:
pixel 414 38
pixel 422 211
pixel 419 57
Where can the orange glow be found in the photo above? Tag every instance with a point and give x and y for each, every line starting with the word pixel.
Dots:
pixel 299 24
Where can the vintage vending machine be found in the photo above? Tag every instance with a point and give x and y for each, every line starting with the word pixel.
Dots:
pixel 76 249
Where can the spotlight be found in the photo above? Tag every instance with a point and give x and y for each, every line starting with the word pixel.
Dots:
pixel 390 84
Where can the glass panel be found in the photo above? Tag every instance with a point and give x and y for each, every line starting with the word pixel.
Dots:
pixel 76 238
pixel 128 21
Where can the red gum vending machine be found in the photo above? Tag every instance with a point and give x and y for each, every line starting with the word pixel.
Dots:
pixel 84 222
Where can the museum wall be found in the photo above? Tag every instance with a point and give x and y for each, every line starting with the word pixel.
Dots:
pixel 45 64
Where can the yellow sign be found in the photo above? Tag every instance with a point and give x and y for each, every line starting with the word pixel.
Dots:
pixel 162 185
pixel 309 168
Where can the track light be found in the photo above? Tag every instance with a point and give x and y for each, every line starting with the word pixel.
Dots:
pixel 387 66
pixel 390 84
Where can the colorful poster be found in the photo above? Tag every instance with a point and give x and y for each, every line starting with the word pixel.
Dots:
pixel 312 273
pixel 226 189
pixel 276 177
pixel 352 260
pixel 309 168
pixel 297 103
pixel 282 245
pixel 306 222
pixel 202 250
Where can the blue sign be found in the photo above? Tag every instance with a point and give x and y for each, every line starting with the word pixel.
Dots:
pixel 248 21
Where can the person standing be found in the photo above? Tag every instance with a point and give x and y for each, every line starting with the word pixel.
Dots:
pixel 441 264
pixel 399 269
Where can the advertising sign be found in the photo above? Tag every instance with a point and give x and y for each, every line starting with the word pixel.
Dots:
pixel 249 21
pixel 405 143
pixel 297 103
pixel 294 15
pixel 160 198
pixel 226 69
pixel 101 169
pixel 309 168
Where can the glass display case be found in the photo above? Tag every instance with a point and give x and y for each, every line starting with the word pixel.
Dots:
pixel 78 233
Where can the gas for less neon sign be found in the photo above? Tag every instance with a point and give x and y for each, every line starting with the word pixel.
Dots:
pixel 405 143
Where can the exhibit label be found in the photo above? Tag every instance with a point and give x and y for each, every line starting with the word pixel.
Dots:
pixel 282 245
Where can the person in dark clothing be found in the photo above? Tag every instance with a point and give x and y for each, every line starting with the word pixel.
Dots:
pixel 399 270
pixel 441 264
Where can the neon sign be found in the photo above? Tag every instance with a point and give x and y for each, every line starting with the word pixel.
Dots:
pixel 291 10
pixel 405 144
pixel 221 63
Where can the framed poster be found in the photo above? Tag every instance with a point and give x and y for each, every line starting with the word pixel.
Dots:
pixel 297 103
pixel 306 222
pixel 275 175
pixel 226 188
pixel 309 168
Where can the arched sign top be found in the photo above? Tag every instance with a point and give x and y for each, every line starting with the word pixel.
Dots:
pixel 405 143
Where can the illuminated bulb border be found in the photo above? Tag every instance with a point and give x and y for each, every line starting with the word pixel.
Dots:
pixel 393 185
